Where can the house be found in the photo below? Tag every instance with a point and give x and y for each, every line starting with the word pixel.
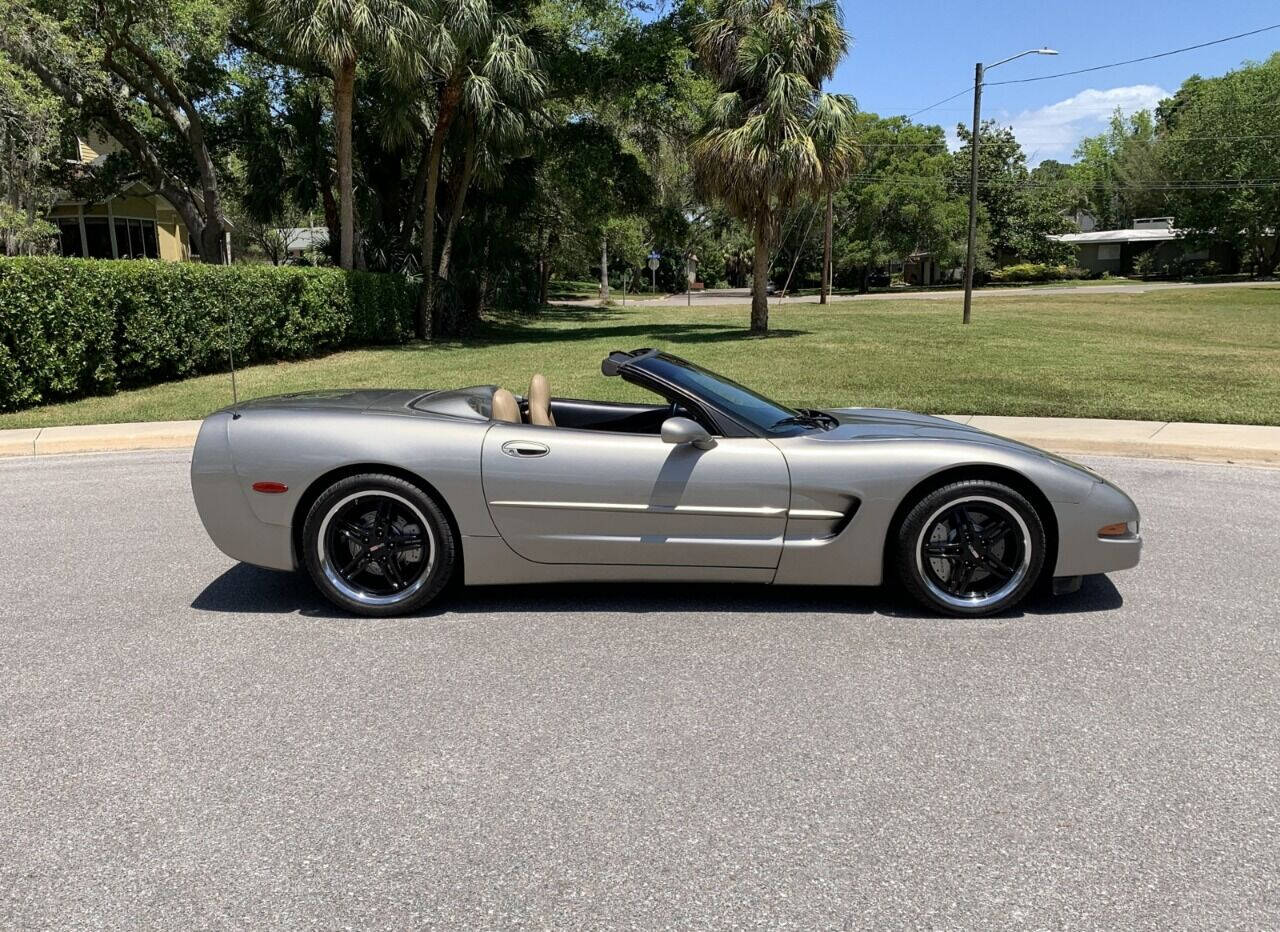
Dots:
pixel 1114 251
pixel 134 224
pixel 921 268
pixel 299 241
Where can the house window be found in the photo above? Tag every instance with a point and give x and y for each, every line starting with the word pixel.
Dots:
pixel 136 239
pixel 97 235
pixel 1109 252
pixel 69 242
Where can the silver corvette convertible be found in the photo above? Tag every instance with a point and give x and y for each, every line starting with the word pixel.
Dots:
pixel 385 496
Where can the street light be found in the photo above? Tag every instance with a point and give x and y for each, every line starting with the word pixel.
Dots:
pixel 978 73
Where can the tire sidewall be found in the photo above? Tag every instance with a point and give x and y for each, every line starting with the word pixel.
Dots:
pixel 908 535
pixel 445 555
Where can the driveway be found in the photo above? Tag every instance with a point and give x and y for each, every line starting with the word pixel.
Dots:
pixel 191 743
pixel 718 296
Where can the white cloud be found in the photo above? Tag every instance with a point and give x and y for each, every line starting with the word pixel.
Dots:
pixel 1052 132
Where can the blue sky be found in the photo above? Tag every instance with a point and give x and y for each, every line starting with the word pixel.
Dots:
pixel 906 56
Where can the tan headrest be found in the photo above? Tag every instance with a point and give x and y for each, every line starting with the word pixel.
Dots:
pixel 505 407
pixel 540 402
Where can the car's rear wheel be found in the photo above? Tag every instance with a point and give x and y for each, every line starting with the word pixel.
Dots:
pixel 971 548
pixel 378 545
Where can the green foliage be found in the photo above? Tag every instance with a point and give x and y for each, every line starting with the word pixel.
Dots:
pixel 30 133
pixel 1030 272
pixel 900 201
pixel 1227 129
pixel 1117 175
pixel 1016 218
pixel 1144 264
pixel 74 327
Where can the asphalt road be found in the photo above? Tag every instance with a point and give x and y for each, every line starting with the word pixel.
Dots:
pixel 188 743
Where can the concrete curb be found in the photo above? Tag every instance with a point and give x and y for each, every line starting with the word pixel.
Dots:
pixel 1215 443
pixel 99 438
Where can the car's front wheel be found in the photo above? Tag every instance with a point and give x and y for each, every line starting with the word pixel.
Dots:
pixel 971 548
pixel 378 545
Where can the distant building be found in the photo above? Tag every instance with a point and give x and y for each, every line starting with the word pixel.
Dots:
pixel 134 224
pixel 1114 251
pixel 921 268
pixel 298 241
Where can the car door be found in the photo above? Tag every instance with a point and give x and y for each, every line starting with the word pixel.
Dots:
pixel 560 495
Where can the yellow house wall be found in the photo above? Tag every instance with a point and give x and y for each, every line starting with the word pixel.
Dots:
pixel 171 237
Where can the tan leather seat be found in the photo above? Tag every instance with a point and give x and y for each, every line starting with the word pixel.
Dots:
pixel 505 406
pixel 540 402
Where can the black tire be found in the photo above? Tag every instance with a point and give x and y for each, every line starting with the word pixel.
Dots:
pixel 970 548
pixel 377 545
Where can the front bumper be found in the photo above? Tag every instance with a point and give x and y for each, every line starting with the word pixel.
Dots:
pixel 1081 552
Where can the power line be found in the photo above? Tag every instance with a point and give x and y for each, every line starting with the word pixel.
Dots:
pixel 1118 64
pixel 1134 61
pixel 1051 142
pixel 944 100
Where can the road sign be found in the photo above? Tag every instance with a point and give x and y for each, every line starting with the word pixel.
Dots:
pixel 653 263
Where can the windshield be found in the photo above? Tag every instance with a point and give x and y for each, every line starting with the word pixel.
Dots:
pixel 741 402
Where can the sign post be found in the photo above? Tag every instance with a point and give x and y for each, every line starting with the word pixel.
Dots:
pixel 653 272
pixel 691 272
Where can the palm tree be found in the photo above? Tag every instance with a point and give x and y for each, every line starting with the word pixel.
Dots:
pixel 484 77
pixel 772 135
pixel 497 96
pixel 341 34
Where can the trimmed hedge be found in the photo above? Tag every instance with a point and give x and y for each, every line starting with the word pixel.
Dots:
pixel 76 327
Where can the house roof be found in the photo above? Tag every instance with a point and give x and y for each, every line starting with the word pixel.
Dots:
pixel 1118 236
pixel 304 237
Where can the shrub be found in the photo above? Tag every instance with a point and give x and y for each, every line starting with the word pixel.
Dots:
pixel 1144 264
pixel 1029 272
pixel 75 327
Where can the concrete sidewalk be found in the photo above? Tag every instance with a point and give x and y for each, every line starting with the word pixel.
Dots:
pixel 1217 443
pixel 735 296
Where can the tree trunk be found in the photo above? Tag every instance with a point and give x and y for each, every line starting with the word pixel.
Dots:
pixel 426 296
pixel 826 250
pixel 604 267
pixel 330 214
pixel 864 284
pixel 344 84
pixel 544 268
pixel 459 201
pixel 760 281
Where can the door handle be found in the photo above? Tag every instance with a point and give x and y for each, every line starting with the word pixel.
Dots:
pixel 525 449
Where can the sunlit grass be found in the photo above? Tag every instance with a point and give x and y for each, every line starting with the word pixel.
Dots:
pixel 1202 355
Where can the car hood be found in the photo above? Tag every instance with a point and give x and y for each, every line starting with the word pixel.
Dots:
pixel 889 424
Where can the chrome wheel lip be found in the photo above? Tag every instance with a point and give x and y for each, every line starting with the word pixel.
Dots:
pixel 991 598
pixel 358 595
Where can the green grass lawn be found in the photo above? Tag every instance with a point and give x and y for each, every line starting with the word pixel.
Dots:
pixel 1196 355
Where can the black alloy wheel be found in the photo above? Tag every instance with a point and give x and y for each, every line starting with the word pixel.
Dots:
pixel 378 545
pixel 971 548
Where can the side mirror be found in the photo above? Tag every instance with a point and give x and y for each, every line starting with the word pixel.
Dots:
pixel 681 430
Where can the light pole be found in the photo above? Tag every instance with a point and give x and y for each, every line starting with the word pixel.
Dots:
pixel 979 72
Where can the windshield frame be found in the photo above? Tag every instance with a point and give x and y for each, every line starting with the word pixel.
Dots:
pixel 671 375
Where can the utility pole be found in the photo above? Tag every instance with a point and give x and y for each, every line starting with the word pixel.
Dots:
pixel 826 251
pixel 973 191
pixel 979 73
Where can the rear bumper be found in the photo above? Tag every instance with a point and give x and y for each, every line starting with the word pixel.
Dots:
pixel 225 512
